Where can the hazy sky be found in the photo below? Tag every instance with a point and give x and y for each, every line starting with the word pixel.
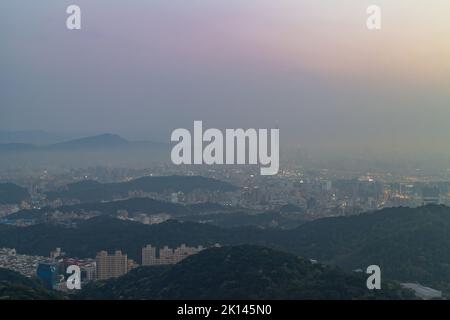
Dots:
pixel 142 68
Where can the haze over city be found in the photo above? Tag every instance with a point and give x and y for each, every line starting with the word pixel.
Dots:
pixel 312 69
pixel 194 150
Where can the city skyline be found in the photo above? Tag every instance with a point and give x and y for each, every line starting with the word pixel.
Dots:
pixel 262 151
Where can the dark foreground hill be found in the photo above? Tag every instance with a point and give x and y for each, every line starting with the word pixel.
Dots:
pixel 14 286
pixel 242 272
pixel 410 245
pixel 106 233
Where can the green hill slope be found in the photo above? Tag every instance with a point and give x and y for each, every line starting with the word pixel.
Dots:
pixel 14 286
pixel 241 272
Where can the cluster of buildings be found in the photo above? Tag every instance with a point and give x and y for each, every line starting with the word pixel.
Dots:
pixel 151 256
pixel 112 266
pixel 317 193
pixel 24 264
pixel 52 270
pixel 118 264
pixel 7 209
pixel 143 217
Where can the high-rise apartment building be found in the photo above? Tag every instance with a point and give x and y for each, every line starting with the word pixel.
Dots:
pixel 111 266
pixel 149 256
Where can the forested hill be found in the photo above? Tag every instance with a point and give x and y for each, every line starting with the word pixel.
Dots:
pixel 14 286
pixel 131 206
pixel 92 191
pixel 410 245
pixel 11 193
pixel 242 272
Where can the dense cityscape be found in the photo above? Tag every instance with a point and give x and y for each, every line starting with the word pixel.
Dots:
pixel 312 193
pixel 296 195
pixel 225 157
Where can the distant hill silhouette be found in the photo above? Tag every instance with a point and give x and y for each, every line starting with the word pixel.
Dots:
pixel 104 141
pixel 132 206
pixel 31 137
pixel 100 150
pixel 222 216
pixel 242 272
pixel 11 193
pixel 92 191
pixel 16 147
pixel 99 141
pixel 290 208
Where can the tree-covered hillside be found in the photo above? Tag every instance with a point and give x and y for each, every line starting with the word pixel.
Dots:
pixel 410 245
pixel 242 272
pixel 11 193
pixel 14 286
pixel 92 191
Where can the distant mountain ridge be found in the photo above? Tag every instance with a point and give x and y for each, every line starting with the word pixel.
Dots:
pixel 31 137
pixel 132 206
pixel 101 141
pixel 16 147
pixel 222 216
pixel 11 193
